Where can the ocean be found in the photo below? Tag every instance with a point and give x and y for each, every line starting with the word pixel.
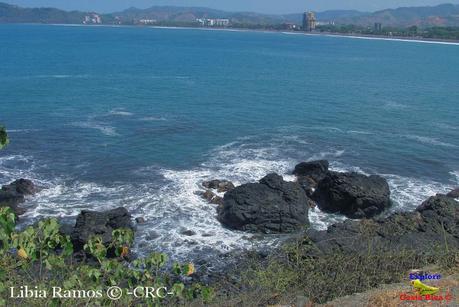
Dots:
pixel 102 117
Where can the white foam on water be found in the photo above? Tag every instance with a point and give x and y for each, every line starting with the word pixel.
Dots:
pixel 172 206
pixel 391 105
pixel 360 132
pixel 408 193
pixel 429 140
pixel 455 175
pixel 120 112
pixel 13 167
pixel 22 130
pixel 320 220
pixel 152 118
pixel 102 127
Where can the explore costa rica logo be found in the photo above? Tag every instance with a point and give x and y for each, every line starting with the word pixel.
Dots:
pixel 424 292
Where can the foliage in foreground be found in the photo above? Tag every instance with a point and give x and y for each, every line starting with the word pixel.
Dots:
pixel 3 137
pixel 295 272
pixel 41 256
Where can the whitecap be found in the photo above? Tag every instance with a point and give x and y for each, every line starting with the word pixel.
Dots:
pixel 455 174
pixel 152 118
pixel 429 140
pixel 360 132
pixel 120 112
pixel 394 105
pixel 103 128
pixel 408 193
pixel 320 220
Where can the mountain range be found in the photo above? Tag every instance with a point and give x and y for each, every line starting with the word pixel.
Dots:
pixel 441 15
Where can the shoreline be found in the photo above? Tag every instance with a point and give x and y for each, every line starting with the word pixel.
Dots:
pixel 286 32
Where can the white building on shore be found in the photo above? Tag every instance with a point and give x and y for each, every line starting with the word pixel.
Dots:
pixel 213 22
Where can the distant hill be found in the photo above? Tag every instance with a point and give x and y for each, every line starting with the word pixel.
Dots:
pixel 425 16
pixel 15 14
pixel 441 15
pixel 188 14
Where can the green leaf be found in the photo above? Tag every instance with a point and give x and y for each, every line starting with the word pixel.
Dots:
pixel 4 140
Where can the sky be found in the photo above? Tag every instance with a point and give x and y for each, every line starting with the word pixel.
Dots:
pixel 261 6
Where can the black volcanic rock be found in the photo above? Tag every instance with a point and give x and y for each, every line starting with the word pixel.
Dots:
pixel 13 194
pixel 433 224
pixel 454 193
pixel 219 185
pixel 270 206
pixel 89 223
pixel 316 170
pixel 352 194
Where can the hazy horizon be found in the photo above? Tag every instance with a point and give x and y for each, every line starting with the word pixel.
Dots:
pixel 260 6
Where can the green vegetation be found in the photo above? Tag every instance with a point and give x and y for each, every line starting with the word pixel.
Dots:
pixel 41 256
pixel 294 272
pixel 3 137
pixel 444 33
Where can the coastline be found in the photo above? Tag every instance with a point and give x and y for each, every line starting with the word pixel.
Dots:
pixel 326 34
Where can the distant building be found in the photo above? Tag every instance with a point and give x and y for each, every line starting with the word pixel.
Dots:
pixel 309 21
pixel 210 22
pixel 147 21
pixel 92 19
pixel 378 27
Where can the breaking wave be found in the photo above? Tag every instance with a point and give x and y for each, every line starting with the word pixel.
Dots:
pixel 170 205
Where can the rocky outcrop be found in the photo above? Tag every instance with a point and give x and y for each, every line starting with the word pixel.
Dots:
pixel 13 194
pixel 454 193
pixel 221 186
pixel 316 170
pixel 270 206
pixel 211 197
pixel 434 224
pixel 89 223
pixel 309 174
pixel 352 194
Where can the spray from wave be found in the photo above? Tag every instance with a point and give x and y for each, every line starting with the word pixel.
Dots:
pixel 170 205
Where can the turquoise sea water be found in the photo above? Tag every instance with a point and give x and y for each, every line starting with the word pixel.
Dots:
pixel 138 117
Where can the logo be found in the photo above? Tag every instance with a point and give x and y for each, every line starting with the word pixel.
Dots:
pixel 423 289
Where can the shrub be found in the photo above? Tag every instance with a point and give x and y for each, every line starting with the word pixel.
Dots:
pixel 41 256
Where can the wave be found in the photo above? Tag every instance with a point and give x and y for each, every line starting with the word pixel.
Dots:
pixel 152 118
pixel 408 193
pixel 13 167
pixel 59 76
pixel 394 105
pixel 170 205
pixel 455 174
pixel 428 140
pixel 22 130
pixel 103 128
pixel 360 132
pixel 120 112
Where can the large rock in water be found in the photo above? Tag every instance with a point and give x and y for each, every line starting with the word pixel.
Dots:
pixel 434 224
pixel 454 193
pixel 316 170
pixel 13 194
pixel 309 174
pixel 270 206
pixel 352 194
pixel 89 223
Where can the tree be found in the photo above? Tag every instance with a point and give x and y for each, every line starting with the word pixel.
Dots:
pixel 3 137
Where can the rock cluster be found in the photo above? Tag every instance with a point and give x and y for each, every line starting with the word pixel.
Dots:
pixel 275 206
pixel 434 224
pixel 89 223
pixel 352 194
pixel 13 194
pixel 454 193
pixel 221 186
pixel 270 206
